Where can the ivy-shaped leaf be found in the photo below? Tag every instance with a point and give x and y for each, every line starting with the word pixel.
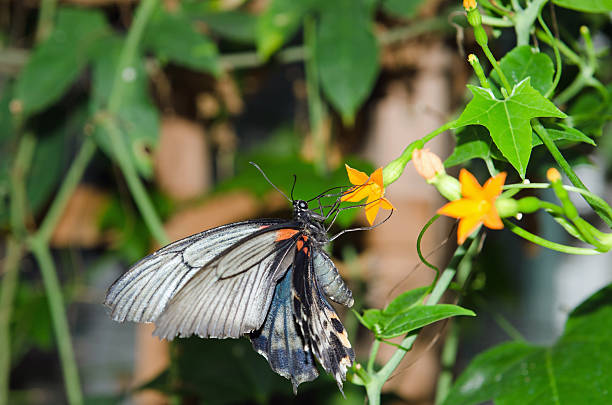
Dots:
pixel 508 120
pixel 575 370
pixel 347 55
pixel 56 63
pixel 523 62
pixel 473 141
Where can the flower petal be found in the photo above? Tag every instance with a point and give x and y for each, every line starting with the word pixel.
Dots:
pixel 466 227
pixel 460 208
pixel 469 185
pixel 357 193
pixel 355 176
pixel 493 187
pixel 371 211
pixel 386 204
pixel 377 177
pixel 492 220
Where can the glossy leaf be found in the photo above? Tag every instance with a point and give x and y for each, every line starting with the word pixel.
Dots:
pixel 523 62
pixel 592 6
pixel 575 370
pixel 138 118
pixel 277 25
pixel 473 141
pixel 418 316
pixel 568 134
pixel 173 36
pixel 56 63
pixel 347 55
pixel 402 8
pixel 406 300
pixel 508 120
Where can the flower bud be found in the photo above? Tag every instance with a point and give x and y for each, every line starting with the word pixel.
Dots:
pixel 506 207
pixel 427 164
pixel 469 4
pixel 448 186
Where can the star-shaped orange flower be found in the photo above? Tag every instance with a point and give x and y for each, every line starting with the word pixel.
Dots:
pixel 477 205
pixel 367 186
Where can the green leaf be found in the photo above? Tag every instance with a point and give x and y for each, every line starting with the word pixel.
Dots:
pixel 406 300
pixel 347 55
pixel 418 316
pixel 575 370
pixel 233 25
pixel 568 134
pixel 138 118
pixel 277 25
pixel 173 36
pixel 402 8
pixel 508 120
pixel 523 62
pixel 589 6
pixel 473 141
pixel 56 63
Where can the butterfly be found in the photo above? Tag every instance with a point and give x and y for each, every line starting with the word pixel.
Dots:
pixel 267 279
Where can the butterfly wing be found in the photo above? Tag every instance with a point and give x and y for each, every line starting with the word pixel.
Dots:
pixel 231 294
pixel 323 333
pixel 143 292
pixel 280 341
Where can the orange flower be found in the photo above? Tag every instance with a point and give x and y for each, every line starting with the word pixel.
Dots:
pixel 370 187
pixel 477 206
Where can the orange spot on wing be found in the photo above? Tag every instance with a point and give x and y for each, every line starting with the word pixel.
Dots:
pixel 284 234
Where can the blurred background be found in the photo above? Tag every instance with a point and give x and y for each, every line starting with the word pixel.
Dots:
pixel 205 87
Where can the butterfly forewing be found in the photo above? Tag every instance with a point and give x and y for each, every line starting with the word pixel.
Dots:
pixel 142 293
pixel 230 296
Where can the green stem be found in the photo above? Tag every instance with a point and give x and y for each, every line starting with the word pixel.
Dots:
pixel 372 358
pixel 448 358
pixel 67 188
pixel 130 52
pixel 19 199
pixel 546 243
pixel 46 13
pixel 138 191
pixel 41 252
pixel 374 386
pixel 14 252
pixel 497 68
pixel 569 172
pixel 315 104
pixel 558 63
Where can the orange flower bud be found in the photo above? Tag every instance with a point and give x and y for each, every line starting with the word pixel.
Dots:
pixel 427 164
pixel 469 4
pixel 553 175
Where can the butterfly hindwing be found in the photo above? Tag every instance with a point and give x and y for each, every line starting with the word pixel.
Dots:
pixel 231 294
pixel 280 341
pixel 318 322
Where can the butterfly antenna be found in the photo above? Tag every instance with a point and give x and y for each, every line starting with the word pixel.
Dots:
pixel 272 184
pixel 293 186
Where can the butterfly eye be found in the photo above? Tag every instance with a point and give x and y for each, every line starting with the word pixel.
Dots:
pixel 303 205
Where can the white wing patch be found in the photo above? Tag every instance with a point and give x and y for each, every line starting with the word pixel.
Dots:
pixel 230 296
pixel 143 292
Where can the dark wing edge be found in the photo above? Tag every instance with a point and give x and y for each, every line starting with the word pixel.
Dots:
pixel 280 341
pixel 317 320
pixel 143 292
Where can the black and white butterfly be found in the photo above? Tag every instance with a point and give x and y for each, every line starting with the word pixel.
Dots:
pixel 268 279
